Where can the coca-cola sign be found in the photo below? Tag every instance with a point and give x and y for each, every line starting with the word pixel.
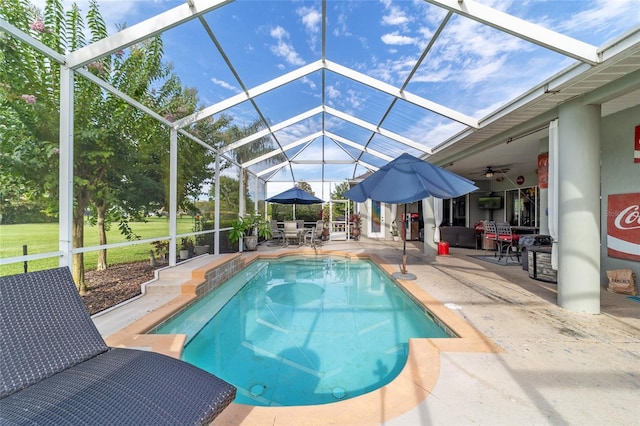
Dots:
pixel 623 226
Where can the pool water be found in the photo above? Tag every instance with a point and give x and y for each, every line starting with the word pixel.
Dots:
pixel 304 330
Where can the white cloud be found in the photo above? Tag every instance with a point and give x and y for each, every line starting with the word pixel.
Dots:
pixel 395 17
pixel 309 82
pixel 283 49
pixel 224 84
pixel 279 33
pixel 397 39
pixel 355 100
pixel 311 18
pixel 333 92
pixel 605 16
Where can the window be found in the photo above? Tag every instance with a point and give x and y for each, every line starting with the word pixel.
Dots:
pixel 454 211
pixel 523 207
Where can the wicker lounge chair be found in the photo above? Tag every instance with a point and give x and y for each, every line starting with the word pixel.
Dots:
pixel 55 368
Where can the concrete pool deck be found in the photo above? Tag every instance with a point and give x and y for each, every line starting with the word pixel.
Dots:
pixel 532 362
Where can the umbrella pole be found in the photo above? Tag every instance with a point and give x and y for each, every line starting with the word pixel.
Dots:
pixel 404 242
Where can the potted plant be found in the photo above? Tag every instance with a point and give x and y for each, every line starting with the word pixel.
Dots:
pixel 249 228
pixel 186 248
pixel 162 248
pixel 201 239
pixel 355 220
pixel 394 231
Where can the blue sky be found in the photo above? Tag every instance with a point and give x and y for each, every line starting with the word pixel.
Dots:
pixel 472 68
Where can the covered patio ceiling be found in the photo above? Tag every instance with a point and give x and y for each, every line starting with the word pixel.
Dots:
pixel 343 87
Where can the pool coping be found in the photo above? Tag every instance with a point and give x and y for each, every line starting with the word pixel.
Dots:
pixel 412 386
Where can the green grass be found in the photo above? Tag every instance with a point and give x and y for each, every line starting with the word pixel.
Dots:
pixel 43 238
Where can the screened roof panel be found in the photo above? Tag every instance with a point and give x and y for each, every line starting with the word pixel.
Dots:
pixel 265 36
pixel 299 131
pixel 348 130
pixel 291 99
pixel 306 172
pixel 372 160
pixel 380 39
pixel 214 81
pixel 334 151
pixel 338 172
pixel 391 147
pixel 473 68
pixel 357 99
pixel 349 150
pixel 420 125
pixel 291 153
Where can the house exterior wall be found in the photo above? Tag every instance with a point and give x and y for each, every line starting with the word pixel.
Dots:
pixel 620 175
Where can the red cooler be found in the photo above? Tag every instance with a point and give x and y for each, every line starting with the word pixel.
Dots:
pixel 443 248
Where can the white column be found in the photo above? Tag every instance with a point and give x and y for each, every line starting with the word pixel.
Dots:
pixel 579 207
pixel 65 200
pixel 173 195
pixel 430 247
pixel 216 208
pixel 241 207
pixel 544 195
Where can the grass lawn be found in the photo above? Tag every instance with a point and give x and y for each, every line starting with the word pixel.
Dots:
pixel 43 238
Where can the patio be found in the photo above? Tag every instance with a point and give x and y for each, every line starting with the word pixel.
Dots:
pixel 555 366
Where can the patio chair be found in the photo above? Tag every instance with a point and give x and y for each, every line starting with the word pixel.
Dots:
pixel 313 236
pixel 507 241
pixel 55 367
pixel 490 234
pixel 291 232
pixel 276 233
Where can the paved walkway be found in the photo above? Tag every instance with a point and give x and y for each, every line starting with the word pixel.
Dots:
pixel 556 367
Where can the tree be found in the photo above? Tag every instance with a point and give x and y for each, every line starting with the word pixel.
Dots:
pixel 305 186
pixel 338 194
pixel 251 150
pixel 119 153
pixel 308 212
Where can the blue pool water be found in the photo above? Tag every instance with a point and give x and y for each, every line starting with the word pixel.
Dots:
pixel 303 330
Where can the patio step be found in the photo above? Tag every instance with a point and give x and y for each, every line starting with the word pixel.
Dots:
pixel 170 280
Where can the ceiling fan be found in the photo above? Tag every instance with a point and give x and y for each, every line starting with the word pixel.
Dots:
pixel 490 171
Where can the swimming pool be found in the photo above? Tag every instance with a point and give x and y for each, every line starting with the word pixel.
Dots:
pixel 303 330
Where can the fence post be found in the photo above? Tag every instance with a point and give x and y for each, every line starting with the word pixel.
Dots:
pixel 24 253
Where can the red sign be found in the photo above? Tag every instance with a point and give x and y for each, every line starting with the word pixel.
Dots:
pixel 623 226
pixel 543 170
pixel 636 152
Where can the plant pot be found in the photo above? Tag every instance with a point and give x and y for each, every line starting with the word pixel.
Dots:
pixel 251 242
pixel 184 254
pixel 355 233
pixel 396 238
pixel 204 249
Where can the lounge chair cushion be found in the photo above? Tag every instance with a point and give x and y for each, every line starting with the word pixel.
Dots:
pixel 121 386
pixel 44 328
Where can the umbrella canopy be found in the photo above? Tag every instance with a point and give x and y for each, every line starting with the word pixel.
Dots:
pixel 407 179
pixel 294 195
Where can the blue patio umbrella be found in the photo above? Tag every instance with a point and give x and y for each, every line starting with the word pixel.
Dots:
pixel 294 196
pixel 407 179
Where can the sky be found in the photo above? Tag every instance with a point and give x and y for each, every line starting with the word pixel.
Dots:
pixel 471 68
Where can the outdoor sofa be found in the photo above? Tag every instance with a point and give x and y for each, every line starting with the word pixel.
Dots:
pixel 55 368
pixel 459 236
